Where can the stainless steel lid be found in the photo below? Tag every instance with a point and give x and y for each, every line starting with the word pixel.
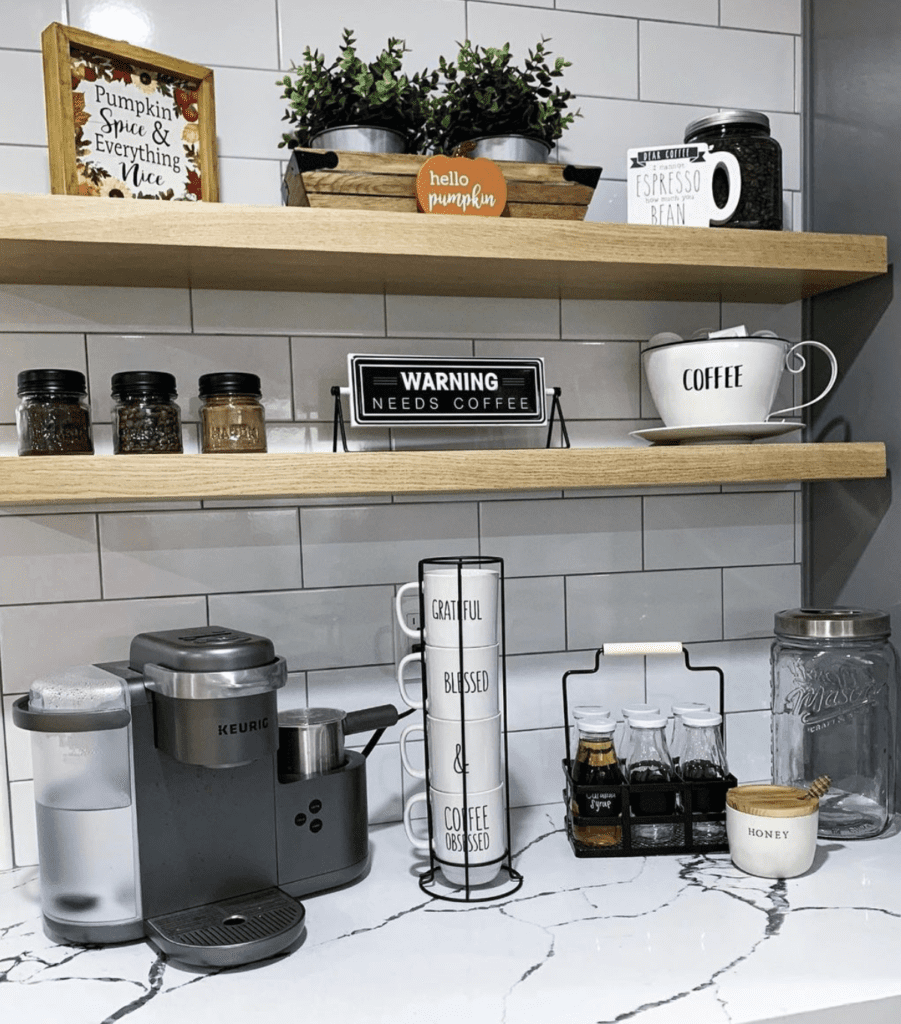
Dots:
pixel 726 117
pixel 832 623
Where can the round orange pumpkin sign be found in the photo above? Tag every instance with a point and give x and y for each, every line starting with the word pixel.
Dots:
pixel 458 185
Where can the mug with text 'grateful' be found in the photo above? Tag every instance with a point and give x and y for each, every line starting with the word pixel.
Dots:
pixel 454 754
pixel 452 596
pixel 468 834
pixel 719 381
pixel 447 677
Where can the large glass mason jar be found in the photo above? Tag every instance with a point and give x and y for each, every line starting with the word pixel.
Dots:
pixel 834 693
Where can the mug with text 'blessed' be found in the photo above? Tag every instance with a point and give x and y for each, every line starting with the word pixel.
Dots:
pixel 454 679
pixel 452 596
pixel 718 381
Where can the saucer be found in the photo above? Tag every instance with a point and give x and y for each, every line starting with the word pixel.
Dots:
pixel 715 433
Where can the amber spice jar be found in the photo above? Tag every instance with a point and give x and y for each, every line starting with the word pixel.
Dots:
pixel 231 416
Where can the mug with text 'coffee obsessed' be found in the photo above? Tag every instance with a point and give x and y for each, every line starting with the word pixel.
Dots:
pixel 468 834
pixel 447 677
pixel 452 596
pixel 720 381
pixel 449 763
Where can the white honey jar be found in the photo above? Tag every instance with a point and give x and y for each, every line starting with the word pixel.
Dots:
pixel 772 830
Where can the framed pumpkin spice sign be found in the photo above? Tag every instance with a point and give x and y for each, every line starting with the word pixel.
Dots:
pixel 126 122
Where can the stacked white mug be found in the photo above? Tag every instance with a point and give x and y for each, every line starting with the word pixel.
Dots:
pixel 460 659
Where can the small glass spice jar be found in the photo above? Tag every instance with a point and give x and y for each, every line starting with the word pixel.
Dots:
pixel 745 134
pixel 231 416
pixel 53 417
pixel 146 419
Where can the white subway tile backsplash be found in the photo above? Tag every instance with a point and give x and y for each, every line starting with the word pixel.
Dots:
pixel 249 114
pixel 38 307
pixel 535 613
pixel 608 204
pixel 384 787
pixel 24 23
pixel 753 594
pixel 18 745
pixel 603 51
pixel 252 182
pixel 22 119
pixel 153 554
pixel 321 362
pixel 48 558
pixel 772 16
pixel 536 776
pixel 24 169
pixel 37 640
pixel 584 371
pixel 671 56
pixel 187 356
pixel 571 535
pixel 316 313
pixel 632 320
pixel 450 316
pixel 353 689
pixel 696 11
pixel 316 629
pixel 244 35
pixel 429 28
pixel 748 746
pixel 25 835
pixel 701 530
pixel 640 606
pixel 382 544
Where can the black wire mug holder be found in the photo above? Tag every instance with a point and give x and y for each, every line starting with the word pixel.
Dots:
pixel 693 799
pixel 429 881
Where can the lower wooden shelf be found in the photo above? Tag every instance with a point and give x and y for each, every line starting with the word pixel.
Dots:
pixel 98 478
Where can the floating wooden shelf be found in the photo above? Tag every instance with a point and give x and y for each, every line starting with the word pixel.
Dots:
pixel 98 478
pixel 83 240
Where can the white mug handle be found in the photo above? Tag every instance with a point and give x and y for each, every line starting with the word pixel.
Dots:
pixel 418 842
pixel 733 170
pixel 415 633
pixel 415 656
pixel 417 773
pixel 802 362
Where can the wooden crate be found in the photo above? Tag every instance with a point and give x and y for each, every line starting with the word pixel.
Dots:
pixel 387 181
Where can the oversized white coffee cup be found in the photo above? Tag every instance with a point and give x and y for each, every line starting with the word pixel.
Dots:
pixel 477 678
pixel 444 609
pixel 479 828
pixel 719 381
pixel 447 765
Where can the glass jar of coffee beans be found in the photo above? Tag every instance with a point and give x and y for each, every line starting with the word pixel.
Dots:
pixel 53 417
pixel 231 416
pixel 745 134
pixel 145 416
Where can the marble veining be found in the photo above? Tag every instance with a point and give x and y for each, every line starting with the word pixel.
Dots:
pixel 654 940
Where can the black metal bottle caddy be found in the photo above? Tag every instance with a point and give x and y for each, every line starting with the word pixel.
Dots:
pixel 432 881
pixel 678 807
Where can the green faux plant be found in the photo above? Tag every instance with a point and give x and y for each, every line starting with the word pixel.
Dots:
pixel 352 92
pixel 485 93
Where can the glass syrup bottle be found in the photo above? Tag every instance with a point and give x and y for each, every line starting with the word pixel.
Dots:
pixel 596 764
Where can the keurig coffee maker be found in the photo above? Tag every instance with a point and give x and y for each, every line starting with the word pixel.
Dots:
pixel 164 810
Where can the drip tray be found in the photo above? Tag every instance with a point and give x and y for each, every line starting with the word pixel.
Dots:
pixel 235 931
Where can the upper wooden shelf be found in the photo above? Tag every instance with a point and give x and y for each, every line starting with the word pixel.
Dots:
pixel 88 241
pixel 98 478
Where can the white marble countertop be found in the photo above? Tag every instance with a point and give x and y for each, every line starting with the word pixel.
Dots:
pixel 655 940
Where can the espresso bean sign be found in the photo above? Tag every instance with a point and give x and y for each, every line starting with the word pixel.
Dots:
pixel 402 391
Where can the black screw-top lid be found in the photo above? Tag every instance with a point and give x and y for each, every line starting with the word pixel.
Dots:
pixel 131 383
pixel 229 383
pixel 37 382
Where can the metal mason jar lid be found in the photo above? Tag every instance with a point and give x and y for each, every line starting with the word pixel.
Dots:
pixel 724 117
pixel 832 623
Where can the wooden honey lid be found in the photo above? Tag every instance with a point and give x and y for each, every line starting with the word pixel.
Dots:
pixel 772 801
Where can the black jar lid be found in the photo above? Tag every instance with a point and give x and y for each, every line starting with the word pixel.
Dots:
pixel 229 383
pixel 134 383
pixel 44 382
pixel 833 623
pixel 726 117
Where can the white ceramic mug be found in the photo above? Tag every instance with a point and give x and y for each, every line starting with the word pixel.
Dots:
pixel 485 832
pixel 444 609
pixel 667 185
pixel 478 679
pixel 447 765
pixel 724 380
